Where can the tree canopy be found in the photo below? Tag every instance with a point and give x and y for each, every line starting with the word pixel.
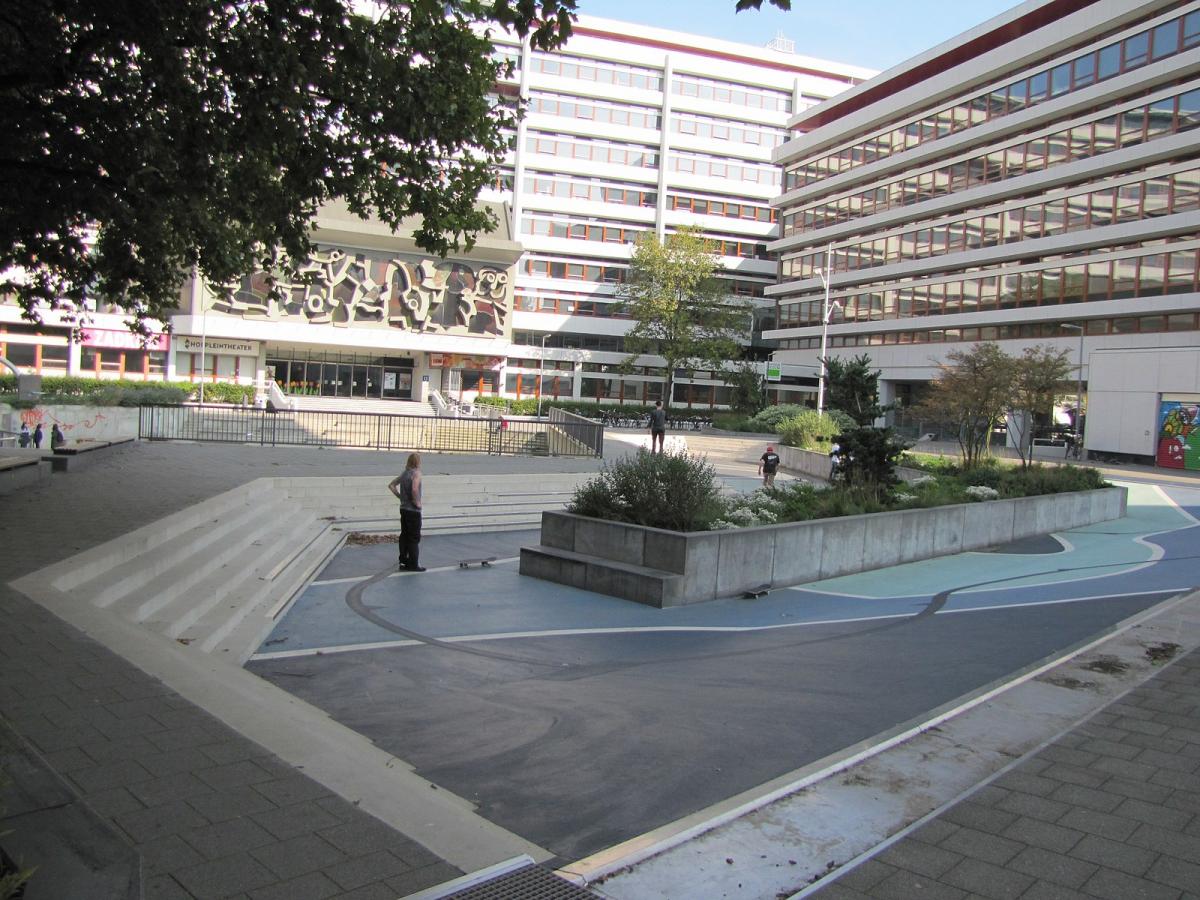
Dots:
pixel 145 138
pixel 681 310
pixel 853 388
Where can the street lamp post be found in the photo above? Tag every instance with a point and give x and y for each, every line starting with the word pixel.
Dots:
pixel 541 373
pixel 825 274
pixel 1078 386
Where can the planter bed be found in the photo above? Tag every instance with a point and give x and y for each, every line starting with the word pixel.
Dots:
pixel 672 568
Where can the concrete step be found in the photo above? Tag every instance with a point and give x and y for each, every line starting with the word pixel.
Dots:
pixel 187 570
pixel 237 625
pixel 94 562
pixel 642 584
pixel 189 547
pixel 243 574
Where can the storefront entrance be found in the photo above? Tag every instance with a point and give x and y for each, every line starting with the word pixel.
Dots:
pixel 378 379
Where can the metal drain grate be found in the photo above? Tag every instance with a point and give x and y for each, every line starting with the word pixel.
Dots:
pixel 519 879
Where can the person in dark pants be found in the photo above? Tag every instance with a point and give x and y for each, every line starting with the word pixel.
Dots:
pixel 768 465
pixel 407 487
pixel 57 438
pixel 658 427
pixel 38 434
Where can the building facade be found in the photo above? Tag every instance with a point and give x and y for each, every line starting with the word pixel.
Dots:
pixel 1033 180
pixel 628 130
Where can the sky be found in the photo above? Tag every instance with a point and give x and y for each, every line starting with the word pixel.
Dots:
pixel 875 34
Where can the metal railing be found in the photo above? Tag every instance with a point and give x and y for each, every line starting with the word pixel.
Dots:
pixel 571 429
pixel 373 431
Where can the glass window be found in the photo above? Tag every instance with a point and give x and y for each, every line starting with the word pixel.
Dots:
pixel 1189 110
pixel 1110 61
pixel 1181 322
pixel 1191 29
pixel 1136 48
pixel 1085 70
pixel 1166 40
pixel 1060 79
pixel 1133 126
pixel 1038 87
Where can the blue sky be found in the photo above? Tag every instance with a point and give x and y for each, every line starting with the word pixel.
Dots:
pixel 871 33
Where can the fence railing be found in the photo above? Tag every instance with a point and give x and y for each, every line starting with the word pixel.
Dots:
pixel 374 431
pixel 570 429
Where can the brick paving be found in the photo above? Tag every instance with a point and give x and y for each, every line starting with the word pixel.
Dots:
pixel 1110 810
pixel 210 813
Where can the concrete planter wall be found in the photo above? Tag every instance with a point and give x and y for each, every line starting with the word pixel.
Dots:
pixel 79 423
pixel 671 568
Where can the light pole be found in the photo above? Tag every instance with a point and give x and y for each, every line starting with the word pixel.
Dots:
pixel 541 373
pixel 1078 387
pixel 825 274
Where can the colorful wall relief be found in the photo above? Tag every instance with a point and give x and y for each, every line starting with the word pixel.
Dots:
pixel 1179 434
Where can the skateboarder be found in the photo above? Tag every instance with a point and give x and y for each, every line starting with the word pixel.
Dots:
pixel 407 487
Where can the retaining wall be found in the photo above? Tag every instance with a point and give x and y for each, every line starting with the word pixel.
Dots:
pixel 671 568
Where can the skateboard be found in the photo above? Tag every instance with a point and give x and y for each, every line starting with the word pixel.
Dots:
pixel 484 562
pixel 756 592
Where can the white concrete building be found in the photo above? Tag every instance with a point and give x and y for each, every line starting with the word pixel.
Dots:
pixel 1032 177
pixel 629 129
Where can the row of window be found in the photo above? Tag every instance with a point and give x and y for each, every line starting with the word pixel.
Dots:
pixel 635 155
pixel 596 111
pixel 706 207
pixel 1169 115
pixel 541 364
pixel 601 72
pixel 732 93
pixel 1152 275
pixel 581 229
pixel 1020 331
pixel 720 167
pixel 588 189
pixel 600 273
pixel 1158 195
pixel 607 343
pixel 726 130
pixel 1151 45
pixel 92 360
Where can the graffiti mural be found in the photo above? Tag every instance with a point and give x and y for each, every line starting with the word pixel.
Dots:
pixel 336 287
pixel 1179 434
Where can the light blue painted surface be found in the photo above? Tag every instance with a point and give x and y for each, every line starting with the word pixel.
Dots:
pixel 1105 559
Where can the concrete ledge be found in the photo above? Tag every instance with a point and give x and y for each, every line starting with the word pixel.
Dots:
pixel 64 459
pixel 672 568
pixel 18 472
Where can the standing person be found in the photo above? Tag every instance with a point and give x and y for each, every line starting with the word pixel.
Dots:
pixel 38 434
pixel 57 438
pixel 658 427
pixel 768 464
pixel 24 437
pixel 834 453
pixel 407 487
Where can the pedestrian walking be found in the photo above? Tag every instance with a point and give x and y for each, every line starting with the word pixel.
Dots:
pixel 24 438
pixel 38 434
pixel 768 464
pixel 407 487
pixel 658 427
pixel 57 438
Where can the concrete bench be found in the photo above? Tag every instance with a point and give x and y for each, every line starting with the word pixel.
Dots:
pixel 63 459
pixel 21 471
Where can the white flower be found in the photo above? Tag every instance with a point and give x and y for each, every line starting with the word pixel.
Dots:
pixel 903 497
pixel 923 480
pixel 982 492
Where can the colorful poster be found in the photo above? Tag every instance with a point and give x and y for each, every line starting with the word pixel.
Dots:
pixel 1179 434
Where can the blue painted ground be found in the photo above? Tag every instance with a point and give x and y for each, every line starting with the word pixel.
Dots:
pixel 1151 552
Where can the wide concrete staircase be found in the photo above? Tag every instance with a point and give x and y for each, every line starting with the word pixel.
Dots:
pixel 359 404
pixel 216 576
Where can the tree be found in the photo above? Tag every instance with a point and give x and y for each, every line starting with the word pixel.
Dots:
pixel 681 311
pixel 1038 376
pixel 204 134
pixel 972 391
pixel 747 389
pixel 853 388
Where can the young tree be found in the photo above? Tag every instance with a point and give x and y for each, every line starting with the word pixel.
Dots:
pixel 853 388
pixel 747 389
pixel 972 391
pixel 681 311
pixel 1038 376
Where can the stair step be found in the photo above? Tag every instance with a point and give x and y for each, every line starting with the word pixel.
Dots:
pixel 240 575
pixel 187 572
pixel 140 571
pixel 642 584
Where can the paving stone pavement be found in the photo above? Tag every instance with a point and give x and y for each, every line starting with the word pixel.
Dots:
pixel 210 813
pixel 1109 810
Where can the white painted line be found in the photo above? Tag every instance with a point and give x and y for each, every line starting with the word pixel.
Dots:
pixel 682 629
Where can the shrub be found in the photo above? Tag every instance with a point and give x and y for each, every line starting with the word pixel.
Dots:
pixel 768 420
pixel 843 420
pixel 759 507
pixel 867 458
pixel 660 490
pixel 808 429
